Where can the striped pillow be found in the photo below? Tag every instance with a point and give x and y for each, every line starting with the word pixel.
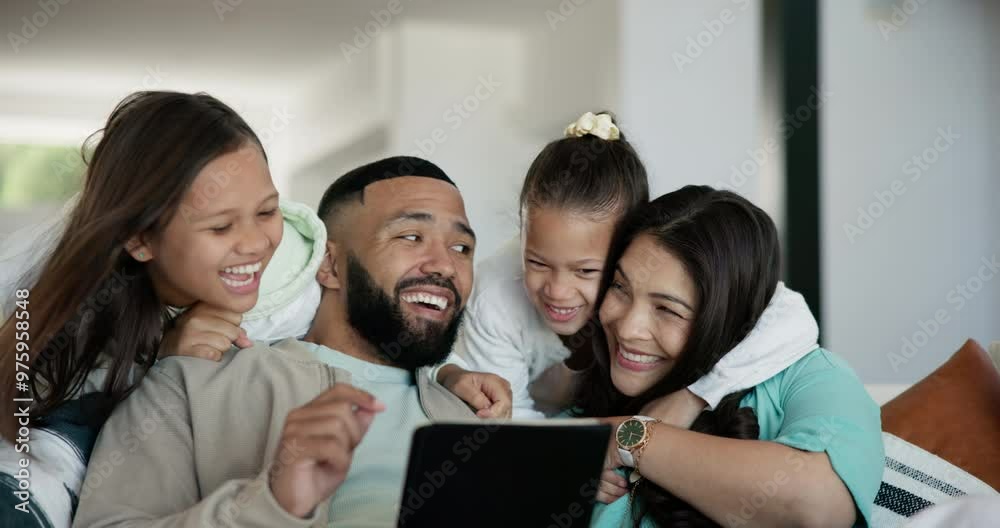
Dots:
pixel 60 447
pixel 915 479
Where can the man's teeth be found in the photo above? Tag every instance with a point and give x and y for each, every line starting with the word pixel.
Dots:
pixel 247 268
pixel 638 358
pixel 440 302
pixel 237 284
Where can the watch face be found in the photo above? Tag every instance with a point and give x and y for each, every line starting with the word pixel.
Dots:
pixel 630 432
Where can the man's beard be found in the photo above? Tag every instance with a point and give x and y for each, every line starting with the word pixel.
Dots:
pixel 380 320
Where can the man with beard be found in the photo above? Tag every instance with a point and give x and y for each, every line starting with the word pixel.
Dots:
pixel 313 432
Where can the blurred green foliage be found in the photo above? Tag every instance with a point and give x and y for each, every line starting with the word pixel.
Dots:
pixel 31 174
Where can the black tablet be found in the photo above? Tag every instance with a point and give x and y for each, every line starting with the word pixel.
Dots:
pixel 540 473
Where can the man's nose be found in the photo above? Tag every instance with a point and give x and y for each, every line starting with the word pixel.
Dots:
pixel 439 261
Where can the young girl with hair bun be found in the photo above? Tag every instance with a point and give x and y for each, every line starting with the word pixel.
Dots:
pixel 532 316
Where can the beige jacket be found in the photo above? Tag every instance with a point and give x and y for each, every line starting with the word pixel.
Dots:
pixel 193 444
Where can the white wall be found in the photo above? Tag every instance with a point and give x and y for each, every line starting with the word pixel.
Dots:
pixel 990 20
pixel 516 83
pixel 891 95
pixel 693 122
pixel 457 92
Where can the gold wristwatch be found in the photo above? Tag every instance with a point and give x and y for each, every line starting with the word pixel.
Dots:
pixel 632 436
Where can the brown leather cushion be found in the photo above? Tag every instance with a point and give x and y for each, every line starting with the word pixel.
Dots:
pixel 954 413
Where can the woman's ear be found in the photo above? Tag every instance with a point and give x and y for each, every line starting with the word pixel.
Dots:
pixel 328 275
pixel 139 249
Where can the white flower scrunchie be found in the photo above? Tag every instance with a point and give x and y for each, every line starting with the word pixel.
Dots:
pixel 599 125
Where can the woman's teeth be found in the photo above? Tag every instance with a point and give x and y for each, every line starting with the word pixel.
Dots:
pixel 563 311
pixel 247 268
pixel 638 358
pixel 425 298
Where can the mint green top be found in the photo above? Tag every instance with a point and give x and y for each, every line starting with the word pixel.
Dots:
pixel 371 494
pixel 816 404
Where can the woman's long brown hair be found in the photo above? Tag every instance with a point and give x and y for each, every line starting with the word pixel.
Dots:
pixel 730 247
pixel 93 304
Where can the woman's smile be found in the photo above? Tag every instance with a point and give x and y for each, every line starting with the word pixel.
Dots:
pixel 631 359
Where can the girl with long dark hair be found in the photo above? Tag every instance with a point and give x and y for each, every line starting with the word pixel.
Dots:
pixel 178 210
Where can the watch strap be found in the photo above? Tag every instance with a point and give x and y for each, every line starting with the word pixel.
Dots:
pixel 625 454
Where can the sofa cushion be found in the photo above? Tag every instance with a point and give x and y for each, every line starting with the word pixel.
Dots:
pixel 915 480
pixel 954 413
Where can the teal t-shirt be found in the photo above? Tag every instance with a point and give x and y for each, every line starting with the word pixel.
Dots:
pixel 816 404
pixel 373 492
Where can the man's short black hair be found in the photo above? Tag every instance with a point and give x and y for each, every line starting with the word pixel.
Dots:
pixel 351 186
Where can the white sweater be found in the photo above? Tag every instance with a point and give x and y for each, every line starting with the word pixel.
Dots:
pixel 504 334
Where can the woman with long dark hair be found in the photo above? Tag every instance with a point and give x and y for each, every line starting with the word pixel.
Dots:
pixel 688 275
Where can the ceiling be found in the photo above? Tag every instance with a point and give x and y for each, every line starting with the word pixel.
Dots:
pixel 259 45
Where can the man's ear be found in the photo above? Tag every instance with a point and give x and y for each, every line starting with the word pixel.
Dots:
pixel 139 248
pixel 328 275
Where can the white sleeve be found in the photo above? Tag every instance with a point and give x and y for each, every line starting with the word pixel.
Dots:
pixel 785 332
pixel 452 359
pixel 490 342
pixel 553 390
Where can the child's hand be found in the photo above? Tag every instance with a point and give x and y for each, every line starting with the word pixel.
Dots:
pixel 612 485
pixel 679 409
pixel 206 332
pixel 488 393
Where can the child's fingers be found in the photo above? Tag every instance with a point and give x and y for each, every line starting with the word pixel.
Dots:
pixel 500 409
pixel 242 340
pixel 499 393
pixel 478 400
pixel 204 351
pixel 233 318
pixel 611 487
pixel 614 478
pixel 211 324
